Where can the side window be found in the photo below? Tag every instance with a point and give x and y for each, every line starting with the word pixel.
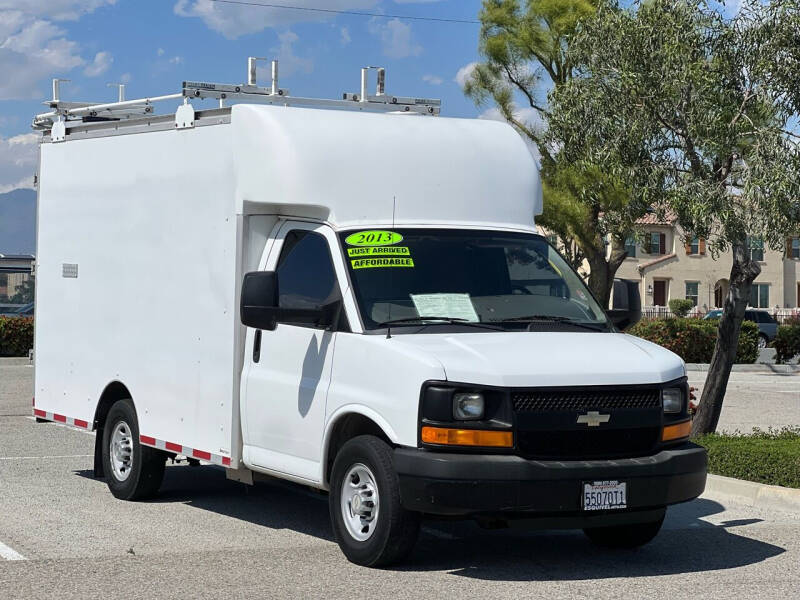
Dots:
pixel 306 278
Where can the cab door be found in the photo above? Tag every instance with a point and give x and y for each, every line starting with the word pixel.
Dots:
pixel 288 370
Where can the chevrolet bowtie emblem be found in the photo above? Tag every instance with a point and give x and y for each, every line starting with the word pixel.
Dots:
pixel 593 418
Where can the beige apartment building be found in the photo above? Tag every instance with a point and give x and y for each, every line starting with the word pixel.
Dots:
pixel 668 268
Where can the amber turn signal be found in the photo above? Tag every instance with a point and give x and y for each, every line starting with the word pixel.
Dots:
pixel 467 437
pixel 677 431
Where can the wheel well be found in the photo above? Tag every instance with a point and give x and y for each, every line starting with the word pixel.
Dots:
pixel 346 428
pixel 114 391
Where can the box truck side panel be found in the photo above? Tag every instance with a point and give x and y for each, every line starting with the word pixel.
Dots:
pixel 137 272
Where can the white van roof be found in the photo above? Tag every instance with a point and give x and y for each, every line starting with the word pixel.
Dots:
pixel 353 168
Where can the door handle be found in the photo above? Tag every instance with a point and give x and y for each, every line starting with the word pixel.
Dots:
pixel 257 346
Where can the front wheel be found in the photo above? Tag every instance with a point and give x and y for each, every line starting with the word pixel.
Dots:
pixel 625 536
pixel 369 523
pixel 132 471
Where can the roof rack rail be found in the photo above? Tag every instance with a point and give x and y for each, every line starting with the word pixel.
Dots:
pixel 66 115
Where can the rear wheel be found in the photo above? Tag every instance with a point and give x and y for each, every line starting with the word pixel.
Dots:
pixel 762 341
pixel 369 523
pixel 132 471
pixel 625 536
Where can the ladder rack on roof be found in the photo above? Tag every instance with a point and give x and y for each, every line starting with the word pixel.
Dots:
pixel 87 119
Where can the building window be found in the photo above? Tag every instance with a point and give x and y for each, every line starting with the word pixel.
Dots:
pixel 630 247
pixel 756 245
pixel 793 250
pixel 759 295
pixel 658 243
pixel 692 291
pixel 694 247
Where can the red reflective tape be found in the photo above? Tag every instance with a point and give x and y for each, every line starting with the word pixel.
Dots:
pixel 146 439
pixel 201 454
pixel 226 461
pixel 79 423
pixel 39 413
pixel 173 447
pixel 60 418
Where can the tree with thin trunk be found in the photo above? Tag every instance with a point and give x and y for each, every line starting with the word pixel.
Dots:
pixel 701 111
pixel 525 46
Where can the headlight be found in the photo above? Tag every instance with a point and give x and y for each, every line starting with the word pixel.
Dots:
pixel 672 399
pixel 468 406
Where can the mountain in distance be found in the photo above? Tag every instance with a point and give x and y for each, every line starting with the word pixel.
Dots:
pixel 18 222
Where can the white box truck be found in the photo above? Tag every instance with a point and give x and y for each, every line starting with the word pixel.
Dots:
pixel 354 300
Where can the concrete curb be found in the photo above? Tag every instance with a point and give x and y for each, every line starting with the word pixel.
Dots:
pixel 14 361
pixel 761 368
pixel 757 495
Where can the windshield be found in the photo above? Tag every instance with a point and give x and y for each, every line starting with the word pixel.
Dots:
pixel 484 279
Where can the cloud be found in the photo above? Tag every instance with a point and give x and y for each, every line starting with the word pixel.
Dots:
pixel 432 79
pixel 101 63
pixel 175 60
pixel 289 62
pixel 160 52
pixel 345 36
pixel 18 160
pixel 396 38
pixel 33 47
pixel 125 78
pixel 234 21
pixel 56 10
pixel 529 116
pixel 464 73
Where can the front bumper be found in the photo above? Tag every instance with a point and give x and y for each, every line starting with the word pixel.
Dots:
pixel 471 484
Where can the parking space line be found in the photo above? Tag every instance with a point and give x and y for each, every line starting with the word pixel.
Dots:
pixel 40 457
pixel 9 553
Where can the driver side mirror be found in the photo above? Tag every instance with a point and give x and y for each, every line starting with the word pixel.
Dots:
pixel 259 306
pixel 626 302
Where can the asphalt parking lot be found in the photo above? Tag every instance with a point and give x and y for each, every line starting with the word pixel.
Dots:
pixel 205 536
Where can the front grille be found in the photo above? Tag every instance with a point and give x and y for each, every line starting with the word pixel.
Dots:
pixel 548 426
pixel 588 444
pixel 580 400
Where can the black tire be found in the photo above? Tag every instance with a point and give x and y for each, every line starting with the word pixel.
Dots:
pixel 395 528
pixel 625 536
pixel 146 469
pixel 763 341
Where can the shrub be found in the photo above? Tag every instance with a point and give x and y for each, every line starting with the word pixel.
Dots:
pixel 680 307
pixel 787 342
pixel 771 457
pixel 694 339
pixel 16 336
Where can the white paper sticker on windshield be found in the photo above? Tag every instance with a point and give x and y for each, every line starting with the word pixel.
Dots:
pixel 453 306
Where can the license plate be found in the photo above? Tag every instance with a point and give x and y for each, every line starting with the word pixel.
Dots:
pixel 604 495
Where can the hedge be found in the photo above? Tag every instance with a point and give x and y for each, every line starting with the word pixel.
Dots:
pixel 787 342
pixel 771 457
pixel 694 339
pixel 16 336
pixel 680 307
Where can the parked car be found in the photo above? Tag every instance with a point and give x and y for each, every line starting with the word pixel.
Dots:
pixel 26 310
pixel 767 325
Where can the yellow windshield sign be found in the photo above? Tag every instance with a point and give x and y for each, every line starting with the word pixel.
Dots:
pixel 371 263
pixel 378 251
pixel 373 237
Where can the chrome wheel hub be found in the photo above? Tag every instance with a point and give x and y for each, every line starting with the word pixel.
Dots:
pixel 359 502
pixel 121 451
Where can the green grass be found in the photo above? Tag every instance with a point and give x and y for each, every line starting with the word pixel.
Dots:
pixel 771 457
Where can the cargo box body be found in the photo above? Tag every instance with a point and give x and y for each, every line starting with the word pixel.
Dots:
pixel 136 282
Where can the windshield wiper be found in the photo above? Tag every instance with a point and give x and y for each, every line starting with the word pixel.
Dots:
pixel 452 320
pixel 556 319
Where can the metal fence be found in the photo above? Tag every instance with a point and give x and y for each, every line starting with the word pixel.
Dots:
pixel 652 313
